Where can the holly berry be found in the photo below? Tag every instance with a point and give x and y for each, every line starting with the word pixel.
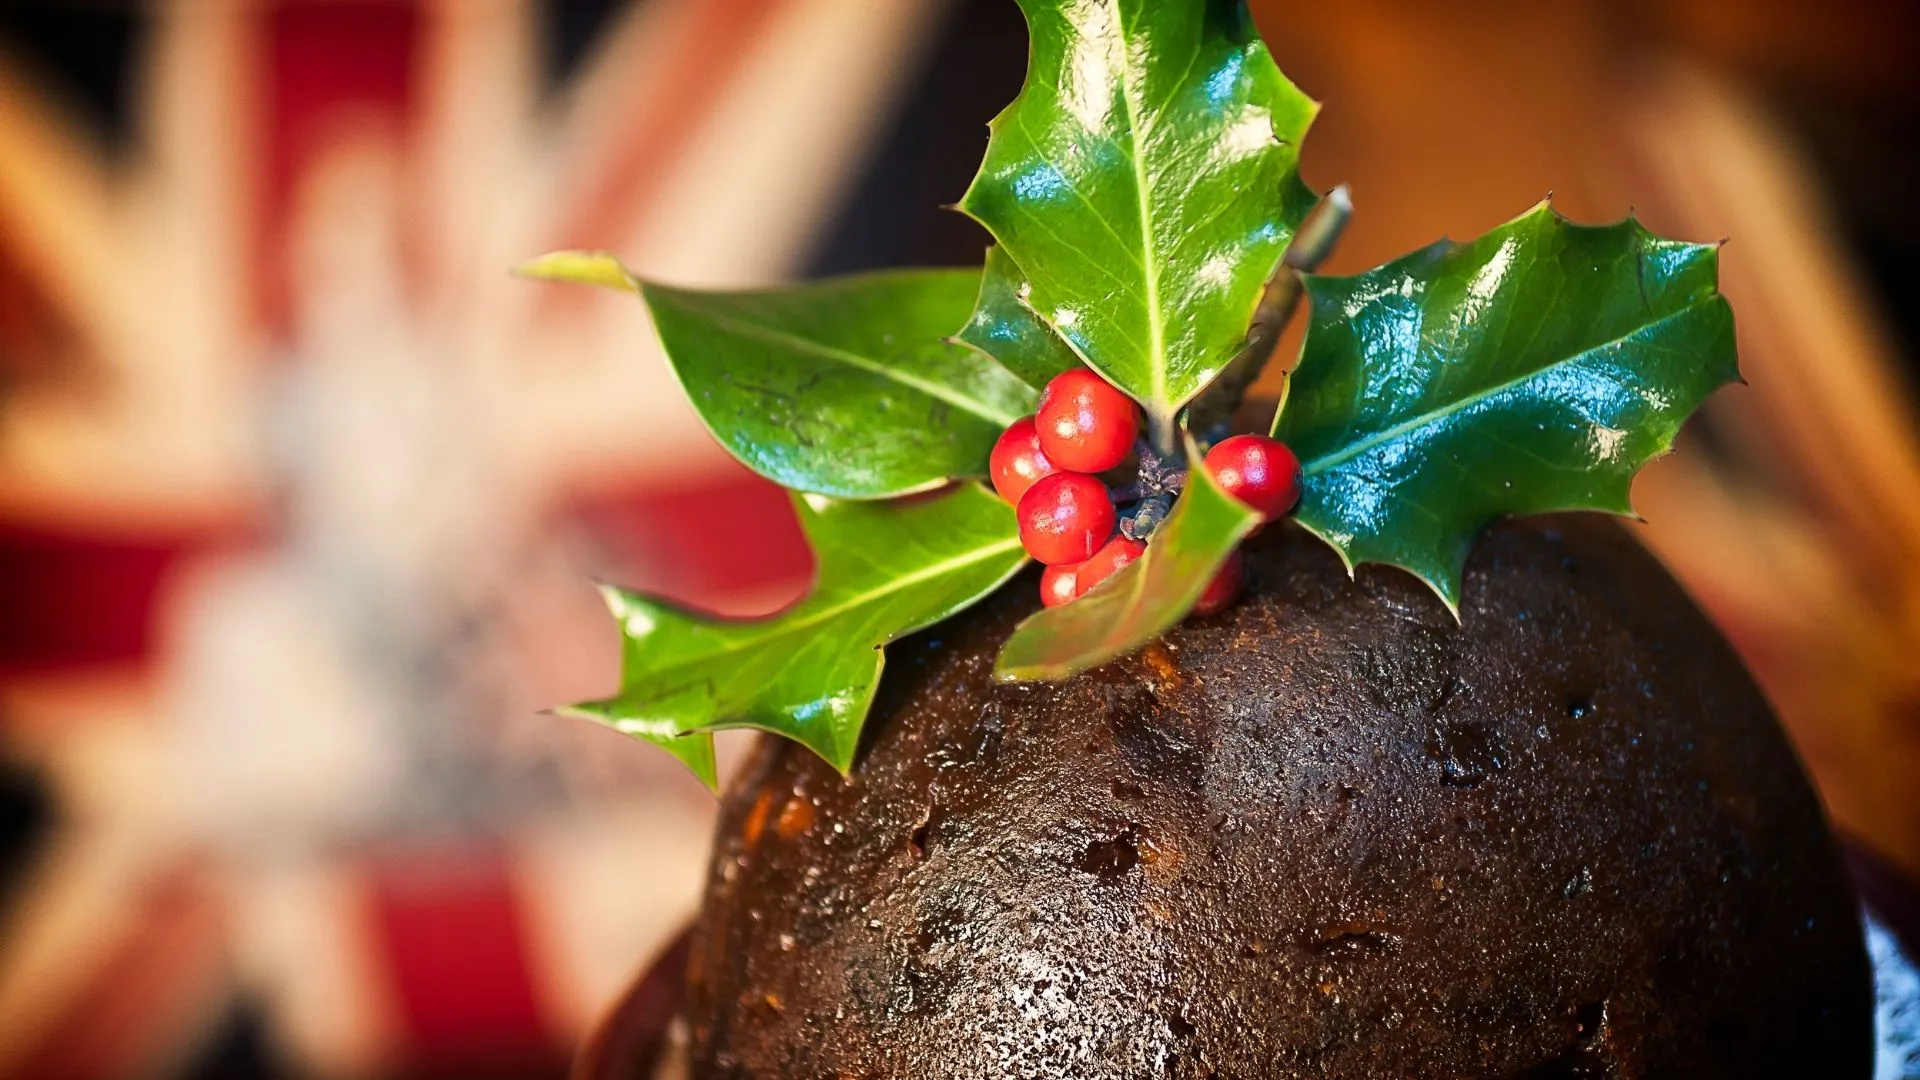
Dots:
pixel 1107 562
pixel 1224 589
pixel 1059 584
pixel 1065 518
pixel 1086 425
pixel 1017 462
pixel 1261 472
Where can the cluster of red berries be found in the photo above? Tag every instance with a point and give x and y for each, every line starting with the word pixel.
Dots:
pixel 1046 465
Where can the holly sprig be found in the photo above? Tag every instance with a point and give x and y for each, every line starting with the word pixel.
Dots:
pixel 1152 234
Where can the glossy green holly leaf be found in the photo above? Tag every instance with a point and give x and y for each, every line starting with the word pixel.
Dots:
pixel 1146 180
pixel 1005 328
pixel 1145 599
pixel 848 387
pixel 808 673
pixel 1534 369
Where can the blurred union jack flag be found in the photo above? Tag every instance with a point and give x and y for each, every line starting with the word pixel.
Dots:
pixel 301 496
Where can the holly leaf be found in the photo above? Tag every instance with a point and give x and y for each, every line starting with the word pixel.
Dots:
pixel 809 673
pixel 1005 328
pixel 1532 370
pixel 847 387
pixel 1146 179
pixel 1148 597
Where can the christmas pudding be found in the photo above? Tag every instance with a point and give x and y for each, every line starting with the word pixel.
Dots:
pixel 1328 832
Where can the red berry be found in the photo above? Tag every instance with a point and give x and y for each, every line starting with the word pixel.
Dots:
pixel 1085 424
pixel 1106 562
pixel 1224 589
pixel 1059 584
pixel 1065 518
pixel 1016 461
pixel 1261 472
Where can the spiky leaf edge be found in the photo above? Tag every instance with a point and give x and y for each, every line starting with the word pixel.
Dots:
pixel 1448 590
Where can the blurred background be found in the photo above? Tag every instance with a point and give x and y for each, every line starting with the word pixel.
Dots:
pixel 301 494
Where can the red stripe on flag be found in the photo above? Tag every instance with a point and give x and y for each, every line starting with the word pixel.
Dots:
pixel 71 600
pixel 326 63
pixel 452 938
pixel 706 542
pixel 699 71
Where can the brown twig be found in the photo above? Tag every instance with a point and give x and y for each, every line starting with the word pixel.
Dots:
pixel 1212 412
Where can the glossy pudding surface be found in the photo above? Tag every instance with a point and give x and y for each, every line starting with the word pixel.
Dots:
pixel 1329 832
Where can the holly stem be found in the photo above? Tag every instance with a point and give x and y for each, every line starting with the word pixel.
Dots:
pixel 1163 432
pixel 1212 412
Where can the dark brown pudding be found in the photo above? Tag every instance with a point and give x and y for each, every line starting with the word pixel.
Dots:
pixel 1327 833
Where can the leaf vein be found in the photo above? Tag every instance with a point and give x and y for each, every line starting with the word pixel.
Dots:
pixel 797 343
pixel 1347 453
pixel 779 628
